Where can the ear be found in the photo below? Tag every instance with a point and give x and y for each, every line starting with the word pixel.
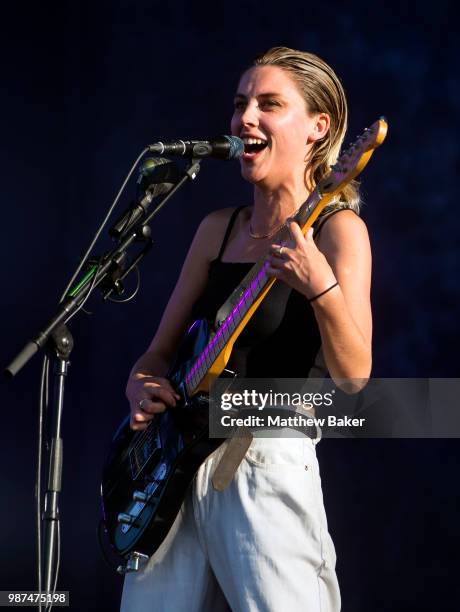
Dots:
pixel 321 125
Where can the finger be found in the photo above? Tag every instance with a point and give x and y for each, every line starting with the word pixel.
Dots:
pixel 274 252
pixel 161 394
pixel 272 271
pixel 161 383
pixel 140 415
pixel 139 421
pixel 279 254
pixel 171 389
pixel 137 426
pixel 151 407
pixel 158 388
pixel 274 261
pixel 296 232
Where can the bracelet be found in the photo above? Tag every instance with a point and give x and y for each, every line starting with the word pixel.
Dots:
pixel 323 292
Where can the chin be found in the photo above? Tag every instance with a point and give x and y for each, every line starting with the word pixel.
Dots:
pixel 251 175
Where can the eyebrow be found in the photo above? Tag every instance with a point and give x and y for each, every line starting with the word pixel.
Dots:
pixel 262 95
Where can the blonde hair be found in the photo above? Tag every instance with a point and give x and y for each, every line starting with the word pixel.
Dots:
pixel 323 93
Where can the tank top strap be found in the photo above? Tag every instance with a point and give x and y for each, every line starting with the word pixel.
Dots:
pixel 228 231
pixel 321 220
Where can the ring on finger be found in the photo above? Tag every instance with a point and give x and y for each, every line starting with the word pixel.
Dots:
pixel 140 404
pixel 279 250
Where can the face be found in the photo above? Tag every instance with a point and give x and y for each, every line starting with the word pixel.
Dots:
pixel 272 118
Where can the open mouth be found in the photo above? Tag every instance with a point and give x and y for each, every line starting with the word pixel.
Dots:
pixel 253 146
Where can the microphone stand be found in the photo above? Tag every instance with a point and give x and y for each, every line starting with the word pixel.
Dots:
pixel 56 338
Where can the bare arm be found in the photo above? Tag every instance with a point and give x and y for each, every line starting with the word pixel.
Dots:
pixel 147 381
pixel 344 313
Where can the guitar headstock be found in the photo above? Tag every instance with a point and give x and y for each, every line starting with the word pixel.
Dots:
pixel 354 159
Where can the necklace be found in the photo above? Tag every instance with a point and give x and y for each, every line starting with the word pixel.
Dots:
pixel 273 232
pixel 269 235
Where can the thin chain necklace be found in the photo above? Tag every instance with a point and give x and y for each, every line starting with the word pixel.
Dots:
pixel 269 235
pixel 274 231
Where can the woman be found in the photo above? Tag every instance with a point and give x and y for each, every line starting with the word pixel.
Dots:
pixel 262 543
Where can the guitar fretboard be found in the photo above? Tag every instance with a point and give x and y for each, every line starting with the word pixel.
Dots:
pixel 247 294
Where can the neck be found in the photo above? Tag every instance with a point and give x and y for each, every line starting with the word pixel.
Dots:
pixel 273 207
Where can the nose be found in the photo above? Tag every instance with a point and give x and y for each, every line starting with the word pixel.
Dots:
pixel 250 115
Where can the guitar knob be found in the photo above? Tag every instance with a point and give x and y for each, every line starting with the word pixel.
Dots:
pixel 140 496
pixel 126 519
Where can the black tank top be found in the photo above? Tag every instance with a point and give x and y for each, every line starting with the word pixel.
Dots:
pixel 282 338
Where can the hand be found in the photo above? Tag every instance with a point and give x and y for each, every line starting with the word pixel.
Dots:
pixel 155 393
pixel 300 263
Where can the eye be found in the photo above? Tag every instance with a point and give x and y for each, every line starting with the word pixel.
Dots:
pixel 270 103
pixel 239 104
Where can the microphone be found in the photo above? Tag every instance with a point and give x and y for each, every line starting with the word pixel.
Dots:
pixel 223 147
pixel 157 176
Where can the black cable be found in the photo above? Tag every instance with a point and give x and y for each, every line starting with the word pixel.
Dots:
pixel 135 292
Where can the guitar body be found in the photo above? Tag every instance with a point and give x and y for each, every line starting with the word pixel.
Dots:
pixel 147 474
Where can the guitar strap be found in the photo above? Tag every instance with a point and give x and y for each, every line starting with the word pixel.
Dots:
pixel 231 459
pixel 239 443
pixel 241 440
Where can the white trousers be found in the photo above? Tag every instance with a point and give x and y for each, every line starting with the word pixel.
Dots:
pixel 261 545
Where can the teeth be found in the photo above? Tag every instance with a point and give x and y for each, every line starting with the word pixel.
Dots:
pixel 254 141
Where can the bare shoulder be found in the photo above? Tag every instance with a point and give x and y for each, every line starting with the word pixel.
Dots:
pixel 344 230
pixel 217 218
pixel 212 228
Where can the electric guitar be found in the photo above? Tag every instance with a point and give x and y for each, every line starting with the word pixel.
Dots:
pixel 148 472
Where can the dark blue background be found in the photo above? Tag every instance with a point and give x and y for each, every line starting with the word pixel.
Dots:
pixel 84 87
